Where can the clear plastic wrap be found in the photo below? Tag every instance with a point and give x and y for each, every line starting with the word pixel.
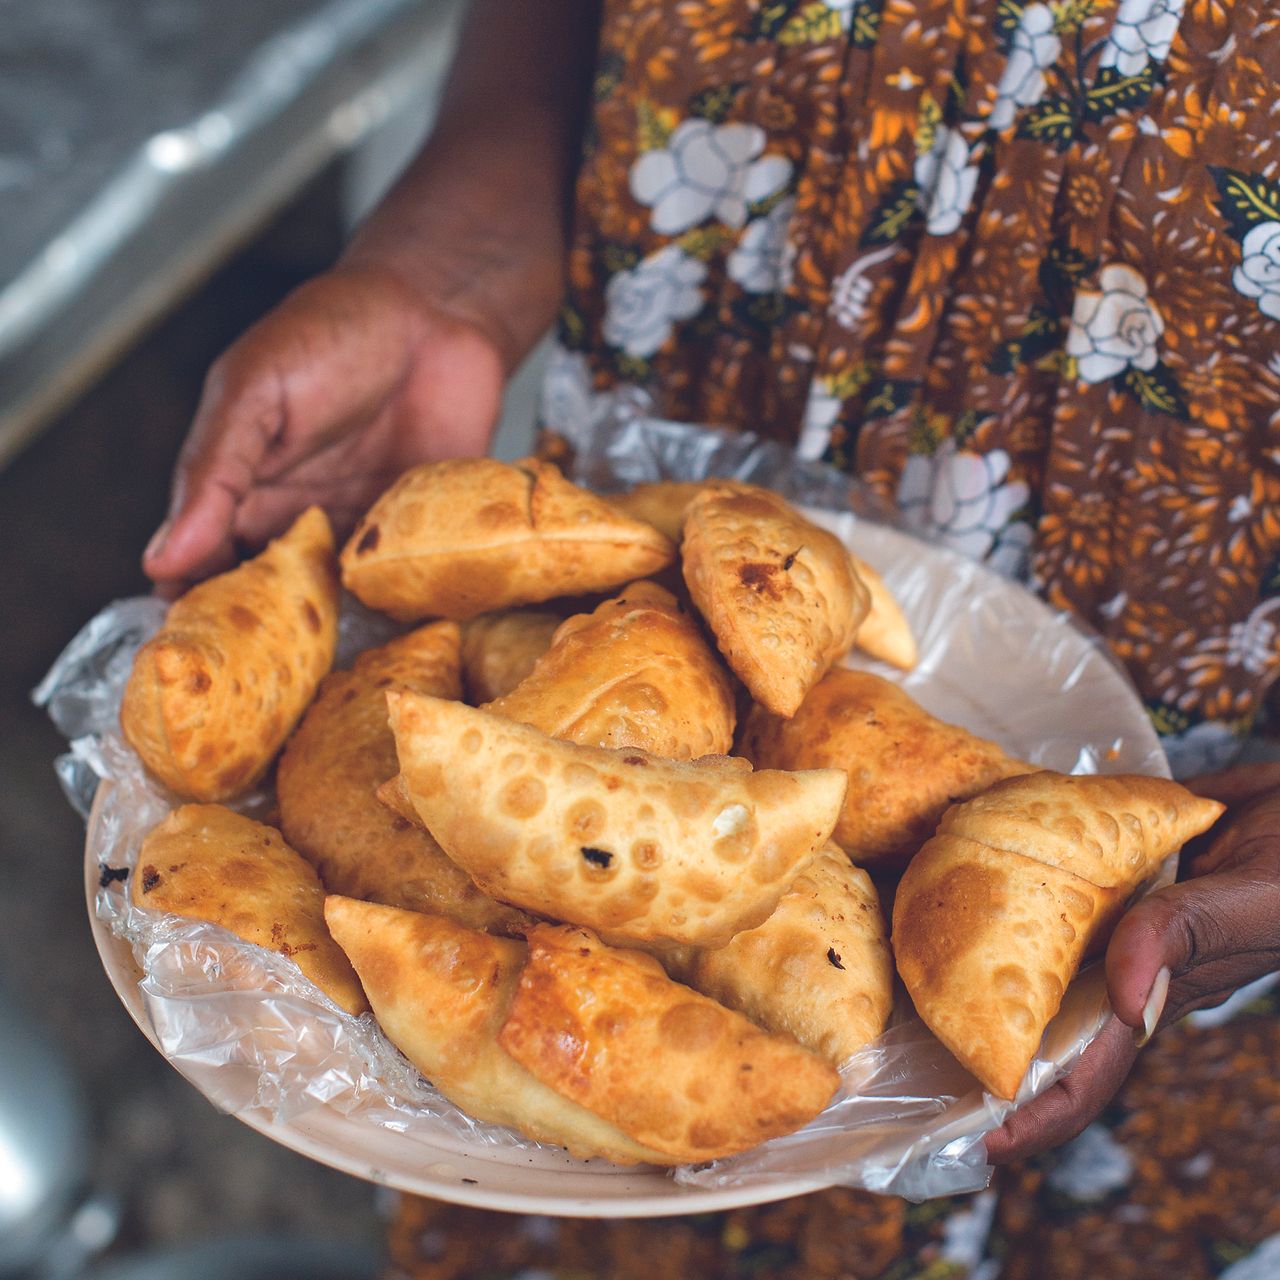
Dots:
pixel 262 1042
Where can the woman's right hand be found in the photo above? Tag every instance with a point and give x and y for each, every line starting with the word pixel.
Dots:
pixel 325 400
pixel 399 354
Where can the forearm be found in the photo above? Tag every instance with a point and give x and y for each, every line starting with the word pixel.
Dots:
pixel 477 223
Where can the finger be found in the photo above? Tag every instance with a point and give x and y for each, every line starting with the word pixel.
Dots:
pixel 238 415
pixel 1062 1111
pixel 1253 829
pixel 1236 785
pixel 1230 919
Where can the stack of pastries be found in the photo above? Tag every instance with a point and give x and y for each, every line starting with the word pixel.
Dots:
pixel 592 840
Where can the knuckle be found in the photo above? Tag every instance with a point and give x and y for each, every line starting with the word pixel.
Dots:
pixel 1201 935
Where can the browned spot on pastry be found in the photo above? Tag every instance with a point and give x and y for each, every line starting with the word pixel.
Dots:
pixel 646 855
pixel 585 820
pixel 150 878
pixel 199 682
pixel 287 949
pixel 833 956
pixel 243 618
pixel 938 930
pixel 523 797
pixel 499 514
pixel 634 760
pixel 601 858
pixel 761 578
pixel 368 540
pixel 692 1026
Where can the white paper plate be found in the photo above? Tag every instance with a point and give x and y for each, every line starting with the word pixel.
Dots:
pixel 994 658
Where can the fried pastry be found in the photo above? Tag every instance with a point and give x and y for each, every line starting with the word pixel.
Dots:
pixel 216 691
pixel 995 913
pixel 635 673
pixel 632 845
pixel 884 633
pixel 663 503
pixel 904 766
pixel 441 993
pixel 818 969
pixel 340 754
pixel 780 594
pixel 394 794
pixel 670 1068
pixel 460 538
pixel 206 862
pixel 500 649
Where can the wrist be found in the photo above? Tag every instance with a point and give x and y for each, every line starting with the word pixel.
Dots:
pixel 476 229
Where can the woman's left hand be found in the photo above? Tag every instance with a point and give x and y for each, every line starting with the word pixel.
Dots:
pixel 1188 946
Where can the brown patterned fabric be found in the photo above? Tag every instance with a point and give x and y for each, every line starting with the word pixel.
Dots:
pixel 1016 264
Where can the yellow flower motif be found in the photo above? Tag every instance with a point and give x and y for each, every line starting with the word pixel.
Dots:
pixel 1085 194
pixel 927 122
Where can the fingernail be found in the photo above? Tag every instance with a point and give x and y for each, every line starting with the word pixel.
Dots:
pixel 1154 1007
pixel 158 539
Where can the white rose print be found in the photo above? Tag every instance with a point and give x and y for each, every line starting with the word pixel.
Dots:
pixel 946 181
pixel 643 304
pixel 1251 643
pixel 1142 32
pixel 707 170
pixel 1115 329
pixel 1258 275
pixel 1034 48
pixel 761 262
pixel 966 501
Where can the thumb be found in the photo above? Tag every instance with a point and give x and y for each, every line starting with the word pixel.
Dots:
pixel 1212 935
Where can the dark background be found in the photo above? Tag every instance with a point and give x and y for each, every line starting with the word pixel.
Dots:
pixel 76 509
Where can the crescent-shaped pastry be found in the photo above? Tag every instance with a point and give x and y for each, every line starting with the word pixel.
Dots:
pixel 500 649
pixel 332 766
pixel 209 863
pixel 994 915
pixel 459 538
pixel 215 692
pixel 394 794
pixel 818 969
pixel 667 1066
pixel 884 633
pixel 635 673
pixel 663 503
pixel 904 766
pixel 625 842
pixel 441 993
pixel 1113 830
pixel 780 594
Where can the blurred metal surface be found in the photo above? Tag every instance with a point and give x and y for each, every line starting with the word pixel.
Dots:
pixel 142 140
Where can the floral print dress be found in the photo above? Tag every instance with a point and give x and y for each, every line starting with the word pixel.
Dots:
pixel 1018 265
